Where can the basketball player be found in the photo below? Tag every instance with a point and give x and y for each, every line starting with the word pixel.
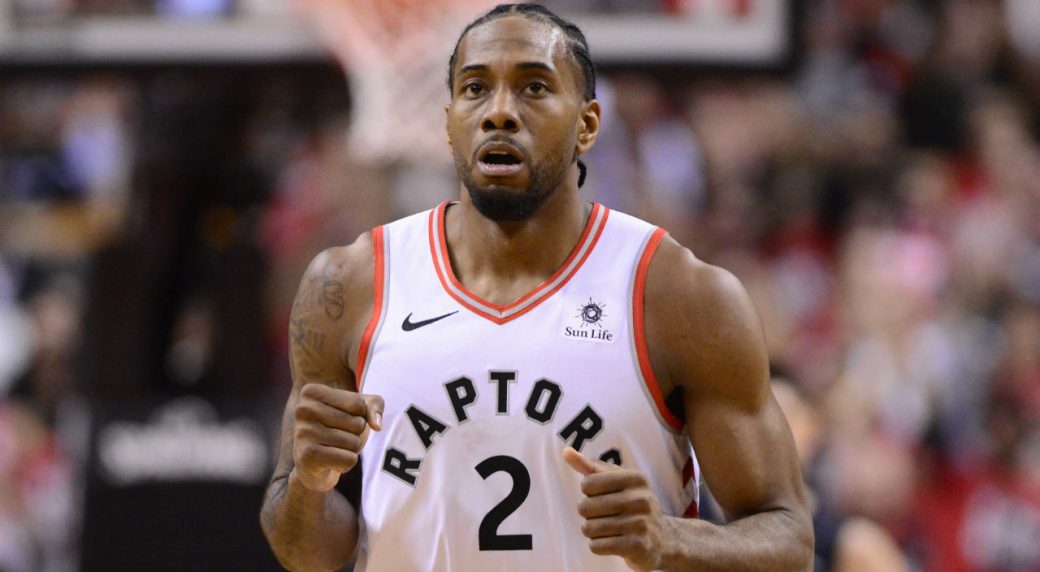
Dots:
pixel 519 376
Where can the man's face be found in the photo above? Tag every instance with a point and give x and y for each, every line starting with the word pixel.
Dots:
pixel 515 115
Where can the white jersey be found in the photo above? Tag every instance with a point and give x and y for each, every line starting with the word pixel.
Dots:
pixel 481 400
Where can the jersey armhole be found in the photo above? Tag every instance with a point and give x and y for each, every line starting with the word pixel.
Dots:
pixel 379 286
pixel 639 333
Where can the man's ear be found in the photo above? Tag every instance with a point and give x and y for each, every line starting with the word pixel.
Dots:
pixel 588 126
pixel 447 133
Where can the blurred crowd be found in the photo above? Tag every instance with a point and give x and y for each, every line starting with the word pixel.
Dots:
pixel 880 201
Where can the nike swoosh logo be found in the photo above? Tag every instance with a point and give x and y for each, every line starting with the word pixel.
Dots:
pixel 408 325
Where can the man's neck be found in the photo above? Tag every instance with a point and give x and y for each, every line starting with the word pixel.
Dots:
pixel 500 262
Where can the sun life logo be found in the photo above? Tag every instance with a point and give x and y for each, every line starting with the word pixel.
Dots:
pixel 591 323
pixel 591 314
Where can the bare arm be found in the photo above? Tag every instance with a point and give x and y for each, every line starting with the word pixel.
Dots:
pixel 309 525
pixel 705 338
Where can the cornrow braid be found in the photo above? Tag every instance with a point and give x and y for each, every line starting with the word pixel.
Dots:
pixel 577 46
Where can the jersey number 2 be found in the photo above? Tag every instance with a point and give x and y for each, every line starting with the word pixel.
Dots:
pixel 490 539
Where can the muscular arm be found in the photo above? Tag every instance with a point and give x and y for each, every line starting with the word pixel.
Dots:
pixel 705 338
pixel 310 530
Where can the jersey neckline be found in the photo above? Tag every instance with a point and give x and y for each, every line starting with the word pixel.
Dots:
pixel 501 314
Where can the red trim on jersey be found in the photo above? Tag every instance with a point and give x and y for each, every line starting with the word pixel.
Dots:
pixel 378 280
pixel 446 275
pixel 692 511
pixel 434 217
pixel 687 471
pixel 638 319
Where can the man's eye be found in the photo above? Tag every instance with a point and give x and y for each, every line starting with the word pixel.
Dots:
pixel 473 89
pixel 537 87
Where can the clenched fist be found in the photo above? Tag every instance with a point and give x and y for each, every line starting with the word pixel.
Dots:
pixel 622 514
pixel 330 426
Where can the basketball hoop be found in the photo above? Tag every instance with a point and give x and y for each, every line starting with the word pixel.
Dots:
pixel 395 53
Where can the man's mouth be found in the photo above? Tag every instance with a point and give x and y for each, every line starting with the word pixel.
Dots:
pixel 500 160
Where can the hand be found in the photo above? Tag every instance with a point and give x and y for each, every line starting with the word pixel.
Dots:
pixel 622 515
pixel 330 426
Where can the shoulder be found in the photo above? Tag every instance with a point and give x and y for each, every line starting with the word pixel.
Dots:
pixel 352 262
pixel 702 326
pixel 678 278
pixel 341 276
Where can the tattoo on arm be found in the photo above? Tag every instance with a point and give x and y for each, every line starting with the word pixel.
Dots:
pixel 306 347
pixel 325 292
pixel 332 290
pixel 320 303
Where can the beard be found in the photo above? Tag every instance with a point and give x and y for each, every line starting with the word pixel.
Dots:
pixel 503 205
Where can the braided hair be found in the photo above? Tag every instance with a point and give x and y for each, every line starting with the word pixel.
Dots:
pixel 577 47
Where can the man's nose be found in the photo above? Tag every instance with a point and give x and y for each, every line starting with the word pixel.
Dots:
pixel 501 112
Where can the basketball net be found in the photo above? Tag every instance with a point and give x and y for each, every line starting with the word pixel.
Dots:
pixel 395 53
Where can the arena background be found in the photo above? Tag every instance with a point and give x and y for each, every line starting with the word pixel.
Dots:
pixel 869 168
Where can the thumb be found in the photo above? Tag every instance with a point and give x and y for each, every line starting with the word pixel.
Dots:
pixel 579 462
pixel 374 411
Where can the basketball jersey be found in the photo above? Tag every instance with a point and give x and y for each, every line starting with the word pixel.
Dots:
pixel 481 400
